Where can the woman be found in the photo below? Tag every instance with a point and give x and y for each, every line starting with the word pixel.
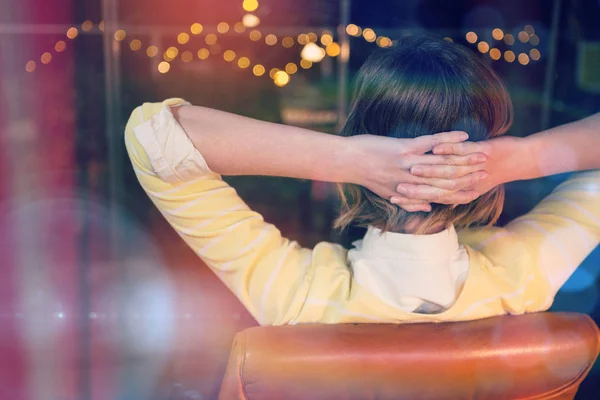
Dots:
pixel 411 266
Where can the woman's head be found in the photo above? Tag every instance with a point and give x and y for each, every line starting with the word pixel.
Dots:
pixel 421 86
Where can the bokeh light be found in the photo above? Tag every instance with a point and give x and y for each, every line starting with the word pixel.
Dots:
pixel 369 35
pixel 60 46
pixel 244 62
pixel 210 39
pixel 523 59
pixel 255 35
pixel 203 54
pixel 250 20
pixel 164 67
pixel 509 39
pixel 326 39
pixel 72 33
pixel 495 54
pixel 250 5
pixel 291 68
pixel 312 37
pixel 229 55
pixel 353 30
pixel 305 64
pixel 535 54
pixel 303 39
pixel 101 26
pixel 46 58
pixel 135 44
pixel 258 70
pixel 272 72
pixel 183 38
pixel 471 37
pixel 523 37
pixel 287 42
pixel 196 28
pixel 271 39
pixel 529 29
pixel 312 52
pixel 87 25
pixel 187 56
pixel 281 78
pixel 120 35
pixel 534 40
pixel 152 51
pixel 483 47
pixel 223 27
pixel 333 50
pixel 509 56
pixel 383 41
pixel 30 66
pixel 239 27
pixel 215 49
pixel 497 34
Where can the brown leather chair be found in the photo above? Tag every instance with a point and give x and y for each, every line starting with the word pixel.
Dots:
pixel 535 356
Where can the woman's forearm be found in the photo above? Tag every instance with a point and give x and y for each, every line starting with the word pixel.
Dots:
pixel 571 147
pixel 236 145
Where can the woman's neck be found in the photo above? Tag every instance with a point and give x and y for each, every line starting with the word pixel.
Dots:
pixel 412 227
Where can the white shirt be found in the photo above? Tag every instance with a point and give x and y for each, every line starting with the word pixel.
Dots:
pixel 416 273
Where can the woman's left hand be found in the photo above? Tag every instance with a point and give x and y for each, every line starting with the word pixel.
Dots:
pixel 382 164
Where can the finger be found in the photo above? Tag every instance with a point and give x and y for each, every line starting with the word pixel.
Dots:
pixel 465 182
pixel 469 159
pixel 445 171
pixel 400 200
pixel 461 149
pixel 428 142
pixel 436 195
pixel 416 208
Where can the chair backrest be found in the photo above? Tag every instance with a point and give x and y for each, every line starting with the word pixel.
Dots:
pixel 541 356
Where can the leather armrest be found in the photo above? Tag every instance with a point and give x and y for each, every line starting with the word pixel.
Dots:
pixel 542 356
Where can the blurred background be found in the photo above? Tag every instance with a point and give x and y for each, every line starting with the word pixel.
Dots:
pixel 99 299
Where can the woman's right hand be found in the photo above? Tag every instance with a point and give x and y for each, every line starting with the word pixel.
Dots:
pixel 507 158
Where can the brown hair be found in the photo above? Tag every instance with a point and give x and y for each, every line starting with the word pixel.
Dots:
pixel 422 86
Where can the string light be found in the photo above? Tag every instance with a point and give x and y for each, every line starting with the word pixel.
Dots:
pixel 369 35
pixel 196 28
pixel 30 66
pixel 258 70
pixel 60 46
pixel 495 54
pixel 523 59
pixel 281 78
pixel 312 52
pixel 509 39
pixel 183 38
pixel 164 67
pixel 483 47
pixel 135 45
pixel 46 58
pixel 255 35
pixel 250 20
pixel 152 51
pixel 223 27
pixel 87 25
pixel 333 50
pixel 471 37
pixel 291 68
pixel 229 55
pixel 120 35
pixel 187 56
pixel 203 54
pixel 497 34
pixel 101 26
pixel 312 37
pixel 272 72
pixel 535 54
pixel 72 33
pixel 244 62
pixel 523 37
pixel 509 56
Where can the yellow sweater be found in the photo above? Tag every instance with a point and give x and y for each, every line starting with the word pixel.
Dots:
pixel 512 270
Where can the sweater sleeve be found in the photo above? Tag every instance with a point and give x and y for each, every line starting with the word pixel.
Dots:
pixel 267 272
pixel 545 246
